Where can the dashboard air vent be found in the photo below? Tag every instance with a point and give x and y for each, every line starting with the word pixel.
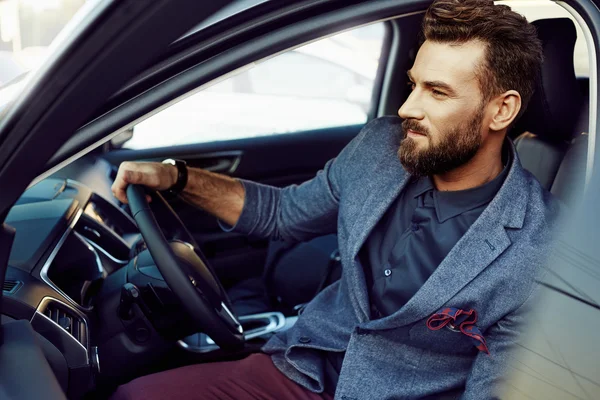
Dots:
pixel 67 320
pixel 11 286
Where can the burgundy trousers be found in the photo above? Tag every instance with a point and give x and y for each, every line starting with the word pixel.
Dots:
pixel 254 377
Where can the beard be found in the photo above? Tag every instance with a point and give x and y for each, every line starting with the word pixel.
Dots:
pixel 457 146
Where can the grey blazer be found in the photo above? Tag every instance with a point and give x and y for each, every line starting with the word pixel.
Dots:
pixel 492 269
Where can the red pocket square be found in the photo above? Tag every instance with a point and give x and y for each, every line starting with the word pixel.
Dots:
pixel 459 320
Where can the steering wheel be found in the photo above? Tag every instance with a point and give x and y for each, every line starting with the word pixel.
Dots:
pixel 185 269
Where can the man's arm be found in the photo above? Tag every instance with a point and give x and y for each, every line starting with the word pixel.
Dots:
pixel 220 195
pixel 295 213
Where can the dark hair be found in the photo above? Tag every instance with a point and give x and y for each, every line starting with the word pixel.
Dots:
pixel 513 55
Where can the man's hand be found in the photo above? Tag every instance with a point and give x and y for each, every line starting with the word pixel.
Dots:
pixel 219 195
pixel 154 175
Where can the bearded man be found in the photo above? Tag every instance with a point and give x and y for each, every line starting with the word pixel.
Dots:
pixel 441 233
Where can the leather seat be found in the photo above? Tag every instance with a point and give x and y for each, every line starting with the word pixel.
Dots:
pixel 557 112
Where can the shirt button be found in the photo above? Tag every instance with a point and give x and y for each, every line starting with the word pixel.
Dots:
pixel 414 227
pixel 387 272
pixel 304 339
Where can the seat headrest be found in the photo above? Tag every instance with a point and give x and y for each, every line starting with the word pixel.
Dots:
pixel 554 108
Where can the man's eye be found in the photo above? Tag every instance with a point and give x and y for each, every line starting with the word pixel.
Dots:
pixel 437 92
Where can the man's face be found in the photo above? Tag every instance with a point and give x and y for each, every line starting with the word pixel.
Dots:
pixel 443 116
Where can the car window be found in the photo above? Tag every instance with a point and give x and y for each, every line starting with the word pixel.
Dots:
pixel 327 83
pixel 542 9
pixel 327 79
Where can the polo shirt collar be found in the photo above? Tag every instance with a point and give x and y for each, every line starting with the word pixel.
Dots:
pixel 449 204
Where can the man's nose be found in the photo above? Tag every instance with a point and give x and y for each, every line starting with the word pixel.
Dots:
pixel 411 108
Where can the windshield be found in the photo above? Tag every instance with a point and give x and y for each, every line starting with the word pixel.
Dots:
pixel 27 30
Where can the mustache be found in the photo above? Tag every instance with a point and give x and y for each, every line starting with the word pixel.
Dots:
pixel 411 124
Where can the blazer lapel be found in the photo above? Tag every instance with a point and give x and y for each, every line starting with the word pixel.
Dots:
pixel 485 241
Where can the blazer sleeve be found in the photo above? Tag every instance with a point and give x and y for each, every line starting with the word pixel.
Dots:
pixel 300 212
pixel 489 372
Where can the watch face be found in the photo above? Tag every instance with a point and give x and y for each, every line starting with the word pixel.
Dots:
pixel 169 161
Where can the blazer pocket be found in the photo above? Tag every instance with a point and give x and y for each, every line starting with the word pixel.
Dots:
pixel 444 340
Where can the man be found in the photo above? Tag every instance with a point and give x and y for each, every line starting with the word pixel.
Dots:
pixel 441 233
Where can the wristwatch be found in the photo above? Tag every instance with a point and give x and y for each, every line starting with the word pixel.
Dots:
pixel 182 177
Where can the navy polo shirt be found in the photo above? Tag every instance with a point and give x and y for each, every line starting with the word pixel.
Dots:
pixel 415 235
pixel 412 238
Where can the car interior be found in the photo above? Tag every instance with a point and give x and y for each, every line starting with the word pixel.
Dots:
pixel 82 284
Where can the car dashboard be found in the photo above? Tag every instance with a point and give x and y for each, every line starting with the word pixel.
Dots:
pixel 69 239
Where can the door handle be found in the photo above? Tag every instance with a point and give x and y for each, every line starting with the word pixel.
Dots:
pixel 222 165
pixel 222 162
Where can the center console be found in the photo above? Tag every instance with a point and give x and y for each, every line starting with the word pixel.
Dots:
pixel 256 326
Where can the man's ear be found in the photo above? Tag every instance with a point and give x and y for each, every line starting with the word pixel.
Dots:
pixel 506 108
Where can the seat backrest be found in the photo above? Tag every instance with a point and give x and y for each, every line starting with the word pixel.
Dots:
pixel 569 183
pixel 551 119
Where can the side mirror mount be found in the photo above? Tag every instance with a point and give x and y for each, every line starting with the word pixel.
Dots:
pixel 118 141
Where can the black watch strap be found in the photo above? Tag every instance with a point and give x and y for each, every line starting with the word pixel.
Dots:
pixel 182 177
